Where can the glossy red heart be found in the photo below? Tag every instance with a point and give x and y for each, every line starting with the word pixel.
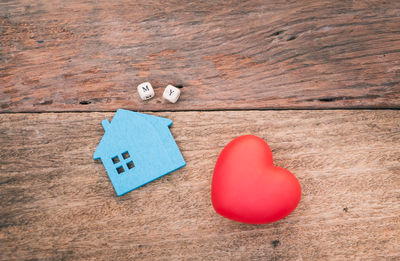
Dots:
pixel 248 188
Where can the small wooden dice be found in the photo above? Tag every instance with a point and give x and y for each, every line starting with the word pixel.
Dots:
pixel 146 92
pixel 171 93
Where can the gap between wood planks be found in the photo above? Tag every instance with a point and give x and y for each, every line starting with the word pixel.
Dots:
pixel 211 110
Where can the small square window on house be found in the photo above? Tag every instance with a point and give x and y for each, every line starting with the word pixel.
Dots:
pixel 120 170
pixel 130 164
pixel 115 159
pixel 125 155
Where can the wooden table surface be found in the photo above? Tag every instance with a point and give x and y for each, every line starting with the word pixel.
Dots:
pixel 318 80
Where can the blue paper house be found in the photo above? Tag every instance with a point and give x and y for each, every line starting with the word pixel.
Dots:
pixel 136 149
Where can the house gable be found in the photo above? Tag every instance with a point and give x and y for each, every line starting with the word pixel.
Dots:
pixel 124 118
pixel 154 120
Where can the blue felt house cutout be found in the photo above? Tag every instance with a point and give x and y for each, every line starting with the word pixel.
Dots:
pixel 136 149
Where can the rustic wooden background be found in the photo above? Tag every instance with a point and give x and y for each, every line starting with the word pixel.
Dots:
pixel 318 80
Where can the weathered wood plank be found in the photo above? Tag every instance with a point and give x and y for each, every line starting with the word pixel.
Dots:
pixel 56 202
pixel 90 56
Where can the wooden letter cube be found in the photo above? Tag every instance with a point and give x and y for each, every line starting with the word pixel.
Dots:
pixel 171 93
pixel 146 91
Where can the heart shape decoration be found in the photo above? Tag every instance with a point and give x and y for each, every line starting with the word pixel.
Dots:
pixel 248 188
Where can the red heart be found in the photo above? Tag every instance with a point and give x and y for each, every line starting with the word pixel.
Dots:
pixel 247 187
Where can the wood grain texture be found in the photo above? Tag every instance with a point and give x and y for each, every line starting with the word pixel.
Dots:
pixel 57 203
pixel 90 55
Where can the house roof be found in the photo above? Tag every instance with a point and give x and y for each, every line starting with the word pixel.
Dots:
pixel 121 117
pixel 153 119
